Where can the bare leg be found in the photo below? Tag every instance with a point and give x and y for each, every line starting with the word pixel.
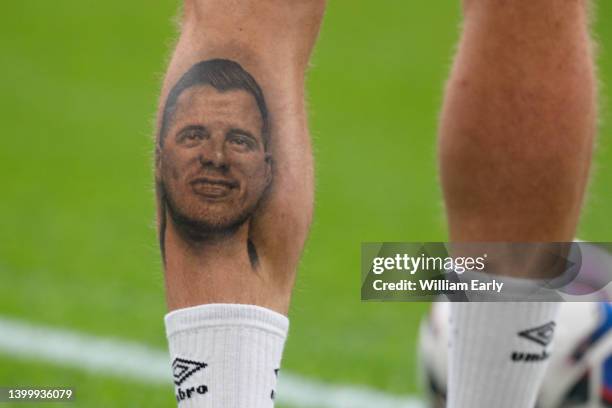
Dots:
pixel 234 178
pixel 518 121
pixel 516 140
pixel 235 236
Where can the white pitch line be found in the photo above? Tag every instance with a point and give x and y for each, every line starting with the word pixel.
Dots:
pixel 135 361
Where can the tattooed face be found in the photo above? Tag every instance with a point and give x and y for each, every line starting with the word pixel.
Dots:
pixel 214 163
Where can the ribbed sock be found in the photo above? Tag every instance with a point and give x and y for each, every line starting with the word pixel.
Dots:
pixel 498 353
pixel 225 355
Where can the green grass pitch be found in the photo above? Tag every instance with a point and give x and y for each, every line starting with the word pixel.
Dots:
pixel 79 82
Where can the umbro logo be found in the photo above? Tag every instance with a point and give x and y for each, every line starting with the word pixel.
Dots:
pixel 529 357
pixel 273 393
pixel 542 334
pixel 182 369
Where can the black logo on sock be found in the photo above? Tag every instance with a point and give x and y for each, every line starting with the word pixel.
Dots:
pixel 273 394
pixel 529 357
pixel 188 393
pixel 542 334
pixel 183 369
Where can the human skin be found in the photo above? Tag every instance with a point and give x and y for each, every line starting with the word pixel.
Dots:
pixel 518 123
pixel 217 167
pixel 272 40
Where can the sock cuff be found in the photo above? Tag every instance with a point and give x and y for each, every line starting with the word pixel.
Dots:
pixel 499 352
pixel 226 315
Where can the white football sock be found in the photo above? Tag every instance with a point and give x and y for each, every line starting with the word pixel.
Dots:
pixel 225 355
pixel 498 353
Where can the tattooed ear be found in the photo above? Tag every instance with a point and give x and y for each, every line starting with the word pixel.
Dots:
pixel 269 169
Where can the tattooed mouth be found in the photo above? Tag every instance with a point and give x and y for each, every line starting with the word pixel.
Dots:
pixel 213 188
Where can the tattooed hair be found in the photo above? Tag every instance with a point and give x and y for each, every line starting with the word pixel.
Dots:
pixel 223 75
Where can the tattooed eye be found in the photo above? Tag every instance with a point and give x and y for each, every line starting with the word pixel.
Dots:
pixel 242 141
pixel 191 135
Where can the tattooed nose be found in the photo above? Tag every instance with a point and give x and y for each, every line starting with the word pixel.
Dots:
pixel 214 160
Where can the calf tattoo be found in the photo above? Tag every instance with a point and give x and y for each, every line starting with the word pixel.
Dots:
pixel 212 157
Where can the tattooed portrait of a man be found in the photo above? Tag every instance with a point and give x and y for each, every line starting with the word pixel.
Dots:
pixel 213 163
